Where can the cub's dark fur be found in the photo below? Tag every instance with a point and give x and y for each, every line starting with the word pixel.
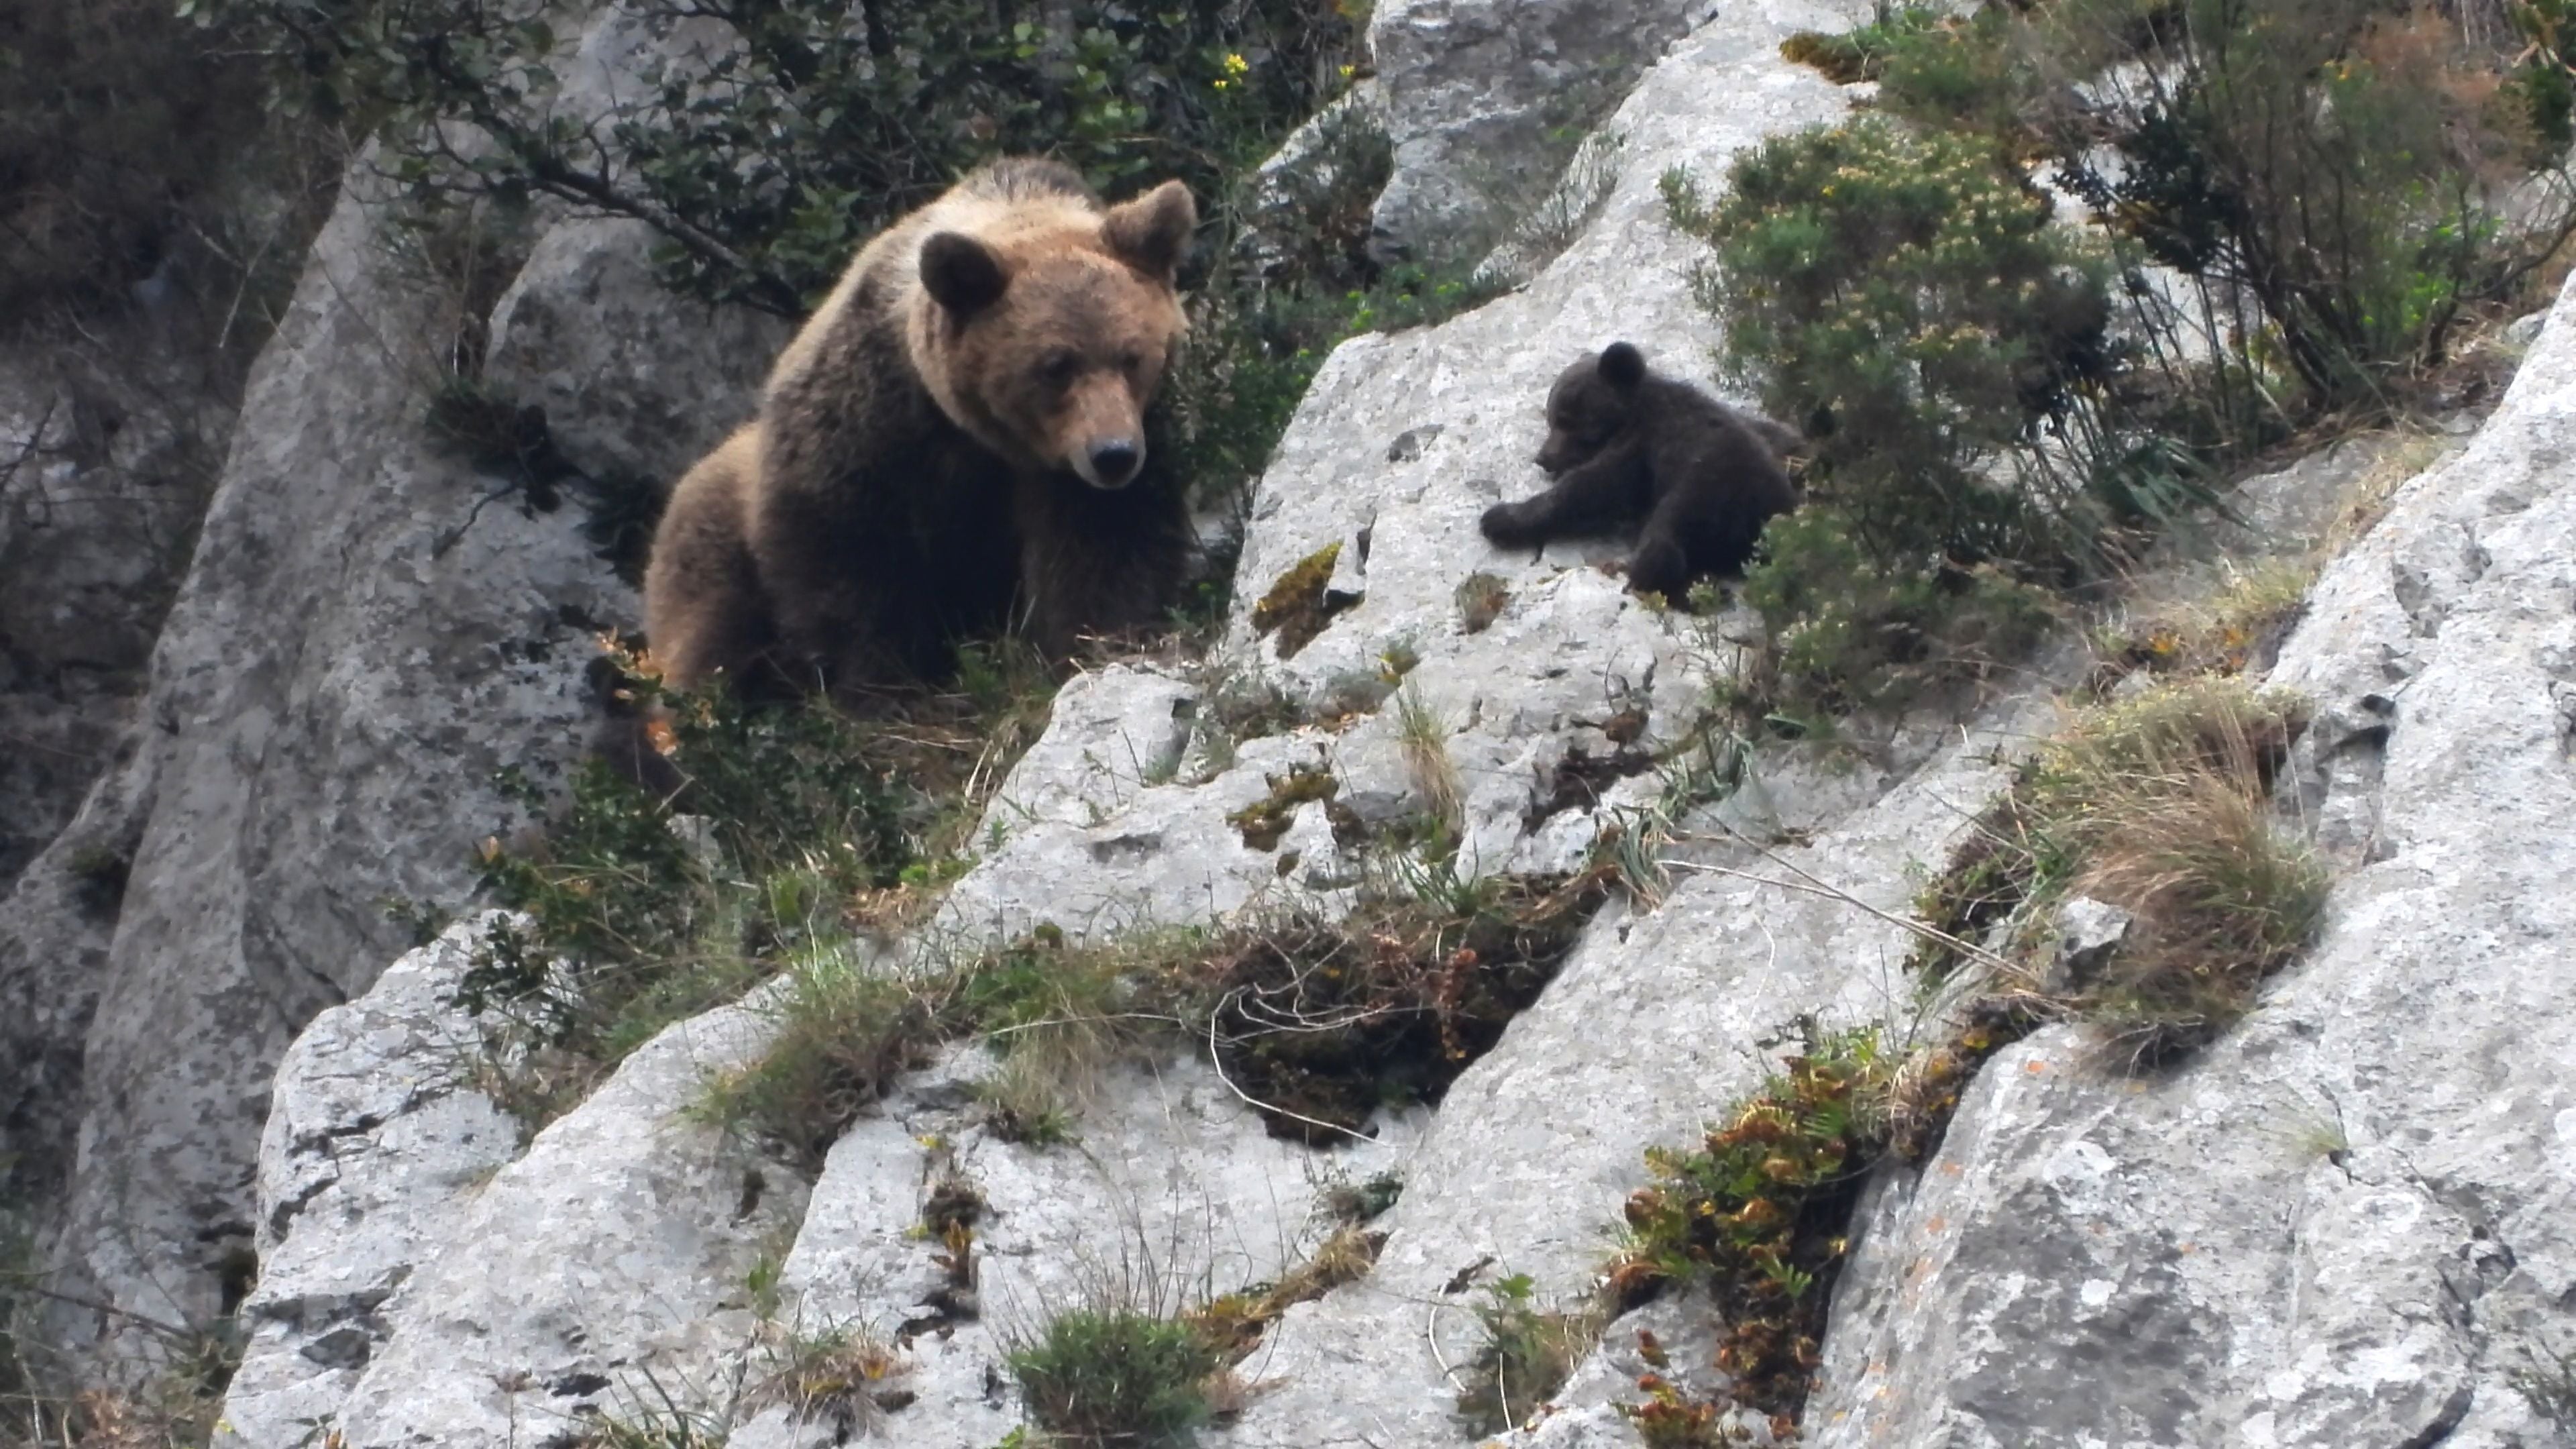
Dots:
pixel 1624 443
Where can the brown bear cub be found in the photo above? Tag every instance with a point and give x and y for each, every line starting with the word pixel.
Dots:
pixel 1622 443
pixel 955 441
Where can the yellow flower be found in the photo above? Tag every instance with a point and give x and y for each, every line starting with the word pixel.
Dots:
pixel 1236 65
pixel 1348 71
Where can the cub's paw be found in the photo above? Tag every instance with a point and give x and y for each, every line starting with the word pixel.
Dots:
pixel 1504 525
pixel 1658 567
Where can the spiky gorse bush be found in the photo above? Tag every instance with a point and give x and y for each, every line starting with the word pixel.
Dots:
pixel 1908 301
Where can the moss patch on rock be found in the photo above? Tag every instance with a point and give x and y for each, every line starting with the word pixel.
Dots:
pixel 1299 603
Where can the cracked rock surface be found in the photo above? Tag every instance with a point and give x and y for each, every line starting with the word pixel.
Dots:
pixel 2352 1220
pixel 2345 1224
pixel 369 630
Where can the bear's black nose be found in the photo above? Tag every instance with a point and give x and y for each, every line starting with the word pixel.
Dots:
pixel 1113 461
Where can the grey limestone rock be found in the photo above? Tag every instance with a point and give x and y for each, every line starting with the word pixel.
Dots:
pixel 636 383
pixel 1484 99
pixel 2347 1222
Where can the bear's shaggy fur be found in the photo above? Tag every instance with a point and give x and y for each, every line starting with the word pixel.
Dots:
pixel 1624 442
pixel 956 440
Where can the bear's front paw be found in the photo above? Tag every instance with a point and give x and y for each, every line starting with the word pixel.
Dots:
pixel 1502 525
pixel 1658 567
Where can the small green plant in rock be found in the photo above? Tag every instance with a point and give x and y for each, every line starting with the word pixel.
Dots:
pixel 1528 1354
pixel 845 1029
pixel 1355 1203
pixel 1424 740
pixel 841 1374
pixel 1758 1213
pixel 1482 598
pixel 1111 1376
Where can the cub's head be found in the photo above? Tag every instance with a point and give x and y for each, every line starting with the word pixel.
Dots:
pixel 1593 402
pixel 1047 342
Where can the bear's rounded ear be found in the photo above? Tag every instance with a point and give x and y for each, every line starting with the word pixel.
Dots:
pixel 1152 232
pixel 961 273
pixel 1622 365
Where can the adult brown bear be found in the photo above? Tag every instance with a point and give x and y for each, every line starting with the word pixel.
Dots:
pixel 956 438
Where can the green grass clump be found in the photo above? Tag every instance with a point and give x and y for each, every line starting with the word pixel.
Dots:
pixel 1116 1376
pixel 796 826
pixel 845 1030
pixel 2157 804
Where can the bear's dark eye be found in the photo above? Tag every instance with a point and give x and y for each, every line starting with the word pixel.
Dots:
pixel 1058 367
pixel 1131 361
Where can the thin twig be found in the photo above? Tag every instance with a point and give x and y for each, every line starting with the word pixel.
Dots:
pixel 1811 885
pixel 1256 1103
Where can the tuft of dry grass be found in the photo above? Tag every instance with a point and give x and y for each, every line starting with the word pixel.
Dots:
pixel 2222 900
pixel 1424 739
pixel 2160 805
pixel 2235 626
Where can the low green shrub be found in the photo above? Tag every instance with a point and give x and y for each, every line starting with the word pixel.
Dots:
pixel 1851 631
pixel 1114 1376
pixel 1907 300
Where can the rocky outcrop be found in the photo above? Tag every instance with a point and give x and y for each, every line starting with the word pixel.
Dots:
pixel 1484 101
pixel 2348 1222
pixel 369 631
pixel 1118 817
pixel 2343 1224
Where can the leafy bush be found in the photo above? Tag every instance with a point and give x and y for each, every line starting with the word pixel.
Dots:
pixel 1907 299
pixel 2334 178
pixel 1116 1376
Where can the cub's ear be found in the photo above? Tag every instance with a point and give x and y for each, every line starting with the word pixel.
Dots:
pixel 1622 365
pixel 1152 232
pixel 961 273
